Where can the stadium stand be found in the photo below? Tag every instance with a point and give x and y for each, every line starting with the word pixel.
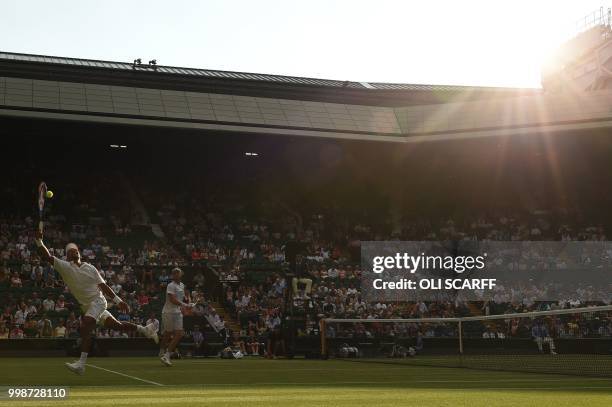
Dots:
pixel 233 246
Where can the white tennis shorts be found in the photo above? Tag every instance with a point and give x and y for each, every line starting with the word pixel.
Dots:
pixel 172 321
pixel 97 310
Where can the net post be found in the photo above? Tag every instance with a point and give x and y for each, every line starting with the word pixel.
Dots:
pixel 322 331
pixel 460 333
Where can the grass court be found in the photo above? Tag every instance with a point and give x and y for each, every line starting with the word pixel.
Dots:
pixel 257 382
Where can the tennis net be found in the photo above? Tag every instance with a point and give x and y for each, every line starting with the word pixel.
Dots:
pixel 574 341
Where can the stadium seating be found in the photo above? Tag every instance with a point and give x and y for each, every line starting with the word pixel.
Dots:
pixel 241 250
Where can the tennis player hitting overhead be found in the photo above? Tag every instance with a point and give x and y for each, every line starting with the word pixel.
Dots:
pixel 91 291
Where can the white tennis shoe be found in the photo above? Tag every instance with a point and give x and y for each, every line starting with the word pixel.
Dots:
pixel 165 360
pixel 76 367
pixel 151 332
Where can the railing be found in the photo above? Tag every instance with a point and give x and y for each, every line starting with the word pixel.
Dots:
pixel 598 17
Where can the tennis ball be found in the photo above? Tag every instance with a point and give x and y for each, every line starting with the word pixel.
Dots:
pixel 49 194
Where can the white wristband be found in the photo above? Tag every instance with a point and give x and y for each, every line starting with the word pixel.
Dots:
pixel 38 242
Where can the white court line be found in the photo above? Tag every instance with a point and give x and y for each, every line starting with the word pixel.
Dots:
pixel 125 375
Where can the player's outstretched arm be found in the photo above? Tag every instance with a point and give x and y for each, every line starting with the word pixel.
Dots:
pixel 42 249
pixel 109 293
pixel 172 298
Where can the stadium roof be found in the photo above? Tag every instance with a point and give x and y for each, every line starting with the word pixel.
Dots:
pixel 241 83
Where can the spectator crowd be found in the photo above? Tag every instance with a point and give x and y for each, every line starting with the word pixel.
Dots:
pixel 247 254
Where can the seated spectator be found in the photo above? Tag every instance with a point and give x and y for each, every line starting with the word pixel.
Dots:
pixel 16 332
pixel 115 285
pixel 143 298
pixel 31 308
pixel 45 328
pixel 109 273
pixel 16 281
pixel 4 333
pixel 36 301
pixel 164 278
pixel 72 325
pixel 238 343
pixel 48 303
pixel 6 317
pixel 21 314
pixel 252 342
pixel 60 304
pixel 30 328
pixel 60 330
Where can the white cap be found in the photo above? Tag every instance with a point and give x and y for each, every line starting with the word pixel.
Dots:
pixel 71 246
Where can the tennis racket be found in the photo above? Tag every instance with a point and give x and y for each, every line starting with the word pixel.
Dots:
pixel 42 194
pixel 197 298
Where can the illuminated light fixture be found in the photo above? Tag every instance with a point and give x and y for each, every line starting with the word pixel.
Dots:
pixel 251 154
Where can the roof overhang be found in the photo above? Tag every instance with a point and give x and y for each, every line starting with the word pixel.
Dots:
pixel 242 83
pixel 98 91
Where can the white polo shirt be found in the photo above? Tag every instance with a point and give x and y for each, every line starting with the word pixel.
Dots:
pixel 82 280
pixel 179 292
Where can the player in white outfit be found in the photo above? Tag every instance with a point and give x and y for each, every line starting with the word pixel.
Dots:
pixel 91 291
pixel 172 316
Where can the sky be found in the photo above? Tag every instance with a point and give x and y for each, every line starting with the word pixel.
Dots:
pixel 467 42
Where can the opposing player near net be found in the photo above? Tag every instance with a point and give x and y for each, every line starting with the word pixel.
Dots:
pixel 172 316
pixel 89 288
